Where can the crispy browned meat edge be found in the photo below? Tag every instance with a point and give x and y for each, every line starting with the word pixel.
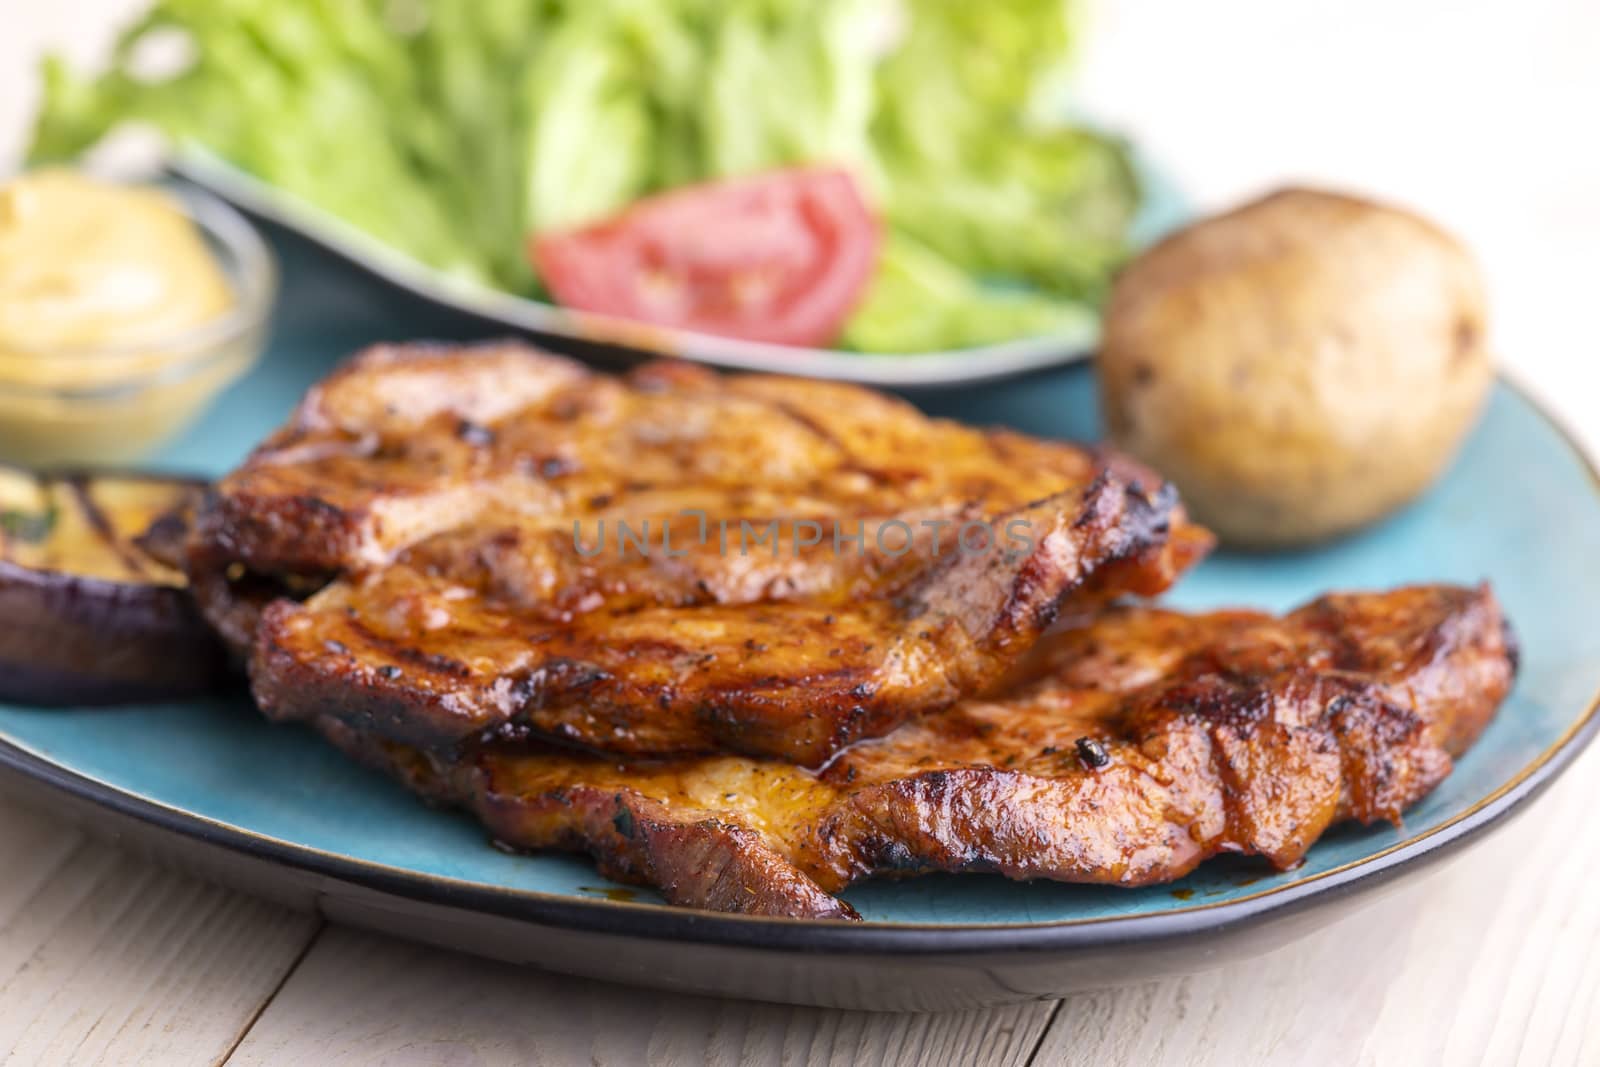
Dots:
pixel 1198 763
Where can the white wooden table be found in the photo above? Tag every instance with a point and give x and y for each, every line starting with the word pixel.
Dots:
pixel 1483 115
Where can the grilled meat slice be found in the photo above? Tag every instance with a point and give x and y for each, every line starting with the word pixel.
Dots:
pixel 1125 752
pixel 823 561
pixel 407 441
pixel 685 663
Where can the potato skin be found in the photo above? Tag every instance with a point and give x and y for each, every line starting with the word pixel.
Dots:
pixel 1300 366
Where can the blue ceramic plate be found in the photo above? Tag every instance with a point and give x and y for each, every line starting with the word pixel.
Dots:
pixel 273 809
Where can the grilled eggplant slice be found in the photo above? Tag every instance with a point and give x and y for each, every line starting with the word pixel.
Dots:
pixel 89 611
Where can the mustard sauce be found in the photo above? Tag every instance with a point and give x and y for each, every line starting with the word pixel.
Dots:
pixel 99 283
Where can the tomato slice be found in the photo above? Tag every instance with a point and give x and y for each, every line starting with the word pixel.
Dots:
pixel 780 257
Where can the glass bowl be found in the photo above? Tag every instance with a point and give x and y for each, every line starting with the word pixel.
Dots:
pixel 112 404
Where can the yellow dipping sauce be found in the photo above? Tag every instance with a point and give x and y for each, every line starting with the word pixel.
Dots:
pixel 99 285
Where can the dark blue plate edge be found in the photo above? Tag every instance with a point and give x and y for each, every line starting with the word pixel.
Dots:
pixel 657 922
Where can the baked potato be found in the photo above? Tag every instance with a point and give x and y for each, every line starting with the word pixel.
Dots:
pixel 1300 366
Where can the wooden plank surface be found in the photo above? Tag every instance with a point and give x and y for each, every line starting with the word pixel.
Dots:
pixel 109 959
pixel 399 1003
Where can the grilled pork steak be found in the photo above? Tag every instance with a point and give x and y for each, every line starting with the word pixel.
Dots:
pixel 458 500
pixel 435 661
pixel 1124 752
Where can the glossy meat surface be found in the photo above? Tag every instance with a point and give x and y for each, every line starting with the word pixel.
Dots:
pixel 1124 752
pixel 407 441
pixel 822 563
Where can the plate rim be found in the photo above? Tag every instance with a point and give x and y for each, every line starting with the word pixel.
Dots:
pixel 662 922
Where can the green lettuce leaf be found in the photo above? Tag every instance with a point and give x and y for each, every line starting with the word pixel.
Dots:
pixel 920 302
pixel 453 129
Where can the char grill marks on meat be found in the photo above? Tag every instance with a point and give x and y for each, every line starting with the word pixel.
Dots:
pixel 1123 752
pixel 448 507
